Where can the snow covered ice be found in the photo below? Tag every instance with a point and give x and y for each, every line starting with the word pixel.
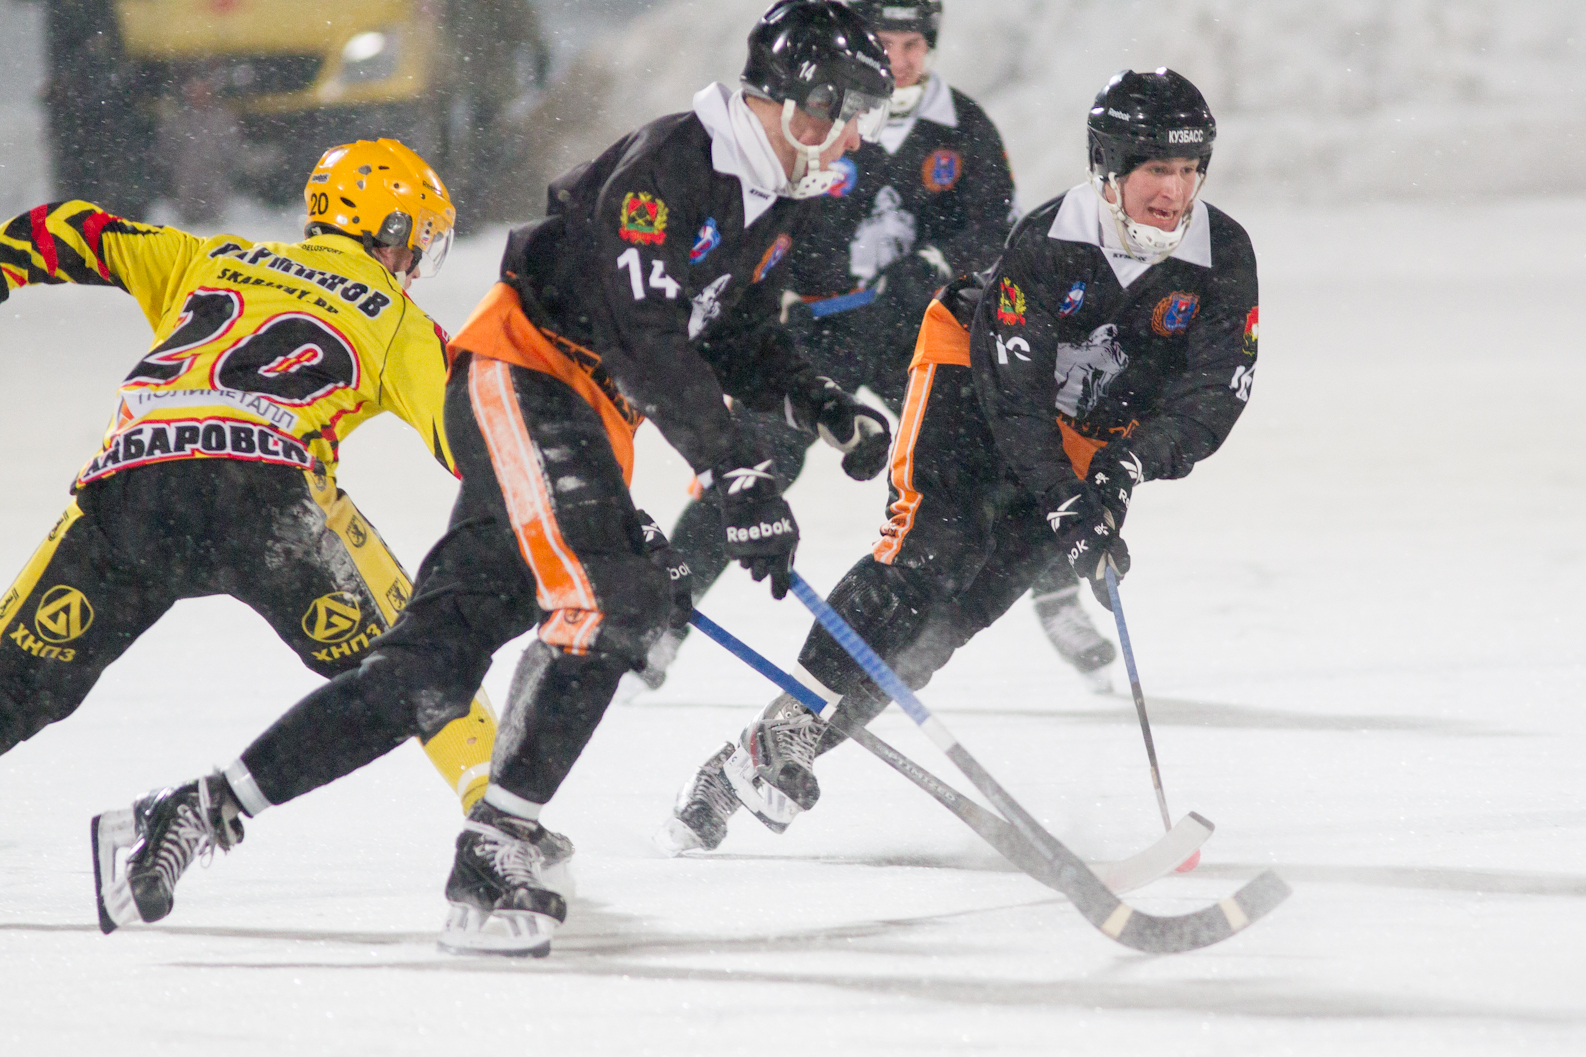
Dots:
pixel 1358 633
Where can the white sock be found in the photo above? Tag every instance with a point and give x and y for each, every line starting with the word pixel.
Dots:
pixel 246 789
pixel 512 804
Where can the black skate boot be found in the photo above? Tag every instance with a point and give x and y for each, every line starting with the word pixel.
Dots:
pixel 1076 639
pixel 772 770
pixel 651 677
pixel 699 818
pixel 165 831
pixel 500 889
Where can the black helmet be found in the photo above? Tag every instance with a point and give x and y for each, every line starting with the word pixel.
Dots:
pixel 819 54
pixel 902 16
pixel 1139 116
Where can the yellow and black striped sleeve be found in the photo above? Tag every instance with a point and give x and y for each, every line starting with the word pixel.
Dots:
pixel 77 242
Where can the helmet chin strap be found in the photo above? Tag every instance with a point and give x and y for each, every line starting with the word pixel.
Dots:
pixel 1143 241
pixel 809 180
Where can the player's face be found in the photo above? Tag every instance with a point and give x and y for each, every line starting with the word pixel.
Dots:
pixel 810 131
pixel 907 53
pixel 1158 192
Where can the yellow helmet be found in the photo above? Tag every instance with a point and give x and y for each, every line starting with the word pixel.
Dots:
pixel 386 195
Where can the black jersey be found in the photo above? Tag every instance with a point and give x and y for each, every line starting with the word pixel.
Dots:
pixel 1071 328
pixel 663 256
pixel 939 179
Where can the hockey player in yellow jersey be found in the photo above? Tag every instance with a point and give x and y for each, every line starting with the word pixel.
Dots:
pixel 217 473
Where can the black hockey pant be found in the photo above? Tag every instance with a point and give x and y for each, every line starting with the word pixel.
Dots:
pixel 543 527
pixel 963 542
pixel 286 543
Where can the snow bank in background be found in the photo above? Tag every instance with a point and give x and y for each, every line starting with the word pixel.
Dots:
pixel 1326 100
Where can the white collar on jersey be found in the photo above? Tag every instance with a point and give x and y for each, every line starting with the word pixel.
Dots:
pixel 1080 219
pixel 936 106
pixel 739 147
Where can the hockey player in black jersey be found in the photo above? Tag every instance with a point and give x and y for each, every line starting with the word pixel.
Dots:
pixel 933 198
pixel 1113 343
pixel 649 290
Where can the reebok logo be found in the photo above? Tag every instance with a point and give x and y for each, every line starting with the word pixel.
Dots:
pixel 744 478
pixel 763 531
pixel 1056 517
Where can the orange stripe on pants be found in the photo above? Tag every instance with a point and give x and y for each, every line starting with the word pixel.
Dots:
pixel 560 580
pixel 907 503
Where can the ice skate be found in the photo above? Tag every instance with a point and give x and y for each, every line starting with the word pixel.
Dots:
pixel 500 889
pixel 699 818
pixel 772 769
pixel 651 677
pixel 162 834
pixel 1075 638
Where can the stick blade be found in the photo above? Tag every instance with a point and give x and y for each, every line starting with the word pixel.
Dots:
pixel 1202 928
pixel 1159 860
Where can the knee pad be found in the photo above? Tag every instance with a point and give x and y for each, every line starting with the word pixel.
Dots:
pixel 886 604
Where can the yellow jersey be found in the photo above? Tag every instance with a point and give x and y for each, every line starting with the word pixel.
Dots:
pixel 266 352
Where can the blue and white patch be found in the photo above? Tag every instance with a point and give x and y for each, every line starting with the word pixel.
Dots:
pixel 850 180
pixel 709 238
pixel 1075 299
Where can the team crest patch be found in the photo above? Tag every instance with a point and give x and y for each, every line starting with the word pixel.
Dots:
pixel 709 238
pixel 942 169
pixel 1075 298
pixel 1252 330
pixel 63 614
pixel 773 256
pixel 332 618
pixel 1174 312
pixel 1010 303
pixel 850 173
pixel 643 219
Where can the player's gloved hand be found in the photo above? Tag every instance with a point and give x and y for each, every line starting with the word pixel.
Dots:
pixel 760 532
pixel 857 430
pixel 1114 471
pixel 1088 535
pixel 660 552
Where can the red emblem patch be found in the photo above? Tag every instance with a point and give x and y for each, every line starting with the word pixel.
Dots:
pixel 643 219
pixel 1010 303
pixel 1252 330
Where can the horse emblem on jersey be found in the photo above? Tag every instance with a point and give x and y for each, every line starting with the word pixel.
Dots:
pixel 882 237
pixel 1072 303
pixel 709 238
pixel 643 219
pixel 1252 330
pixel 1085 370
pixel 1174 312
pixel 941 170
pixel 773 256
pixel 1010 303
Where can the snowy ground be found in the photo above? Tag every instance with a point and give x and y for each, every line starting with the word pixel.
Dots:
pixel 1354 624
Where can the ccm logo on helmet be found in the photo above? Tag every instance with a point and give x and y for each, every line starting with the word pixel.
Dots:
pixel 763 531
pixel 1186 135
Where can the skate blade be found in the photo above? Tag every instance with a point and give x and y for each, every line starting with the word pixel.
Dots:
pixel 765 801
pixel 1099 680
pixel 504 933
pixel 674 838
pixel 109 834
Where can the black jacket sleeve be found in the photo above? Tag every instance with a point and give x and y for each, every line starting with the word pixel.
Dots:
pixel 1199 407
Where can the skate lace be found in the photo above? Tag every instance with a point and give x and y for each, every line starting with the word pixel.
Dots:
pixel 190 835
pixel 515 860
pixel 797 738
pixel 711 786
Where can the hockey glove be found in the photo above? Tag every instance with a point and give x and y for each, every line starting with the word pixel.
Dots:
pixel 658 550
pixel 761 534
pixel 1114 471
pixel 1088 535
pixel 857 430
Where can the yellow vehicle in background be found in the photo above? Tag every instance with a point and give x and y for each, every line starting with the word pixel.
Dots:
pixel 190 99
